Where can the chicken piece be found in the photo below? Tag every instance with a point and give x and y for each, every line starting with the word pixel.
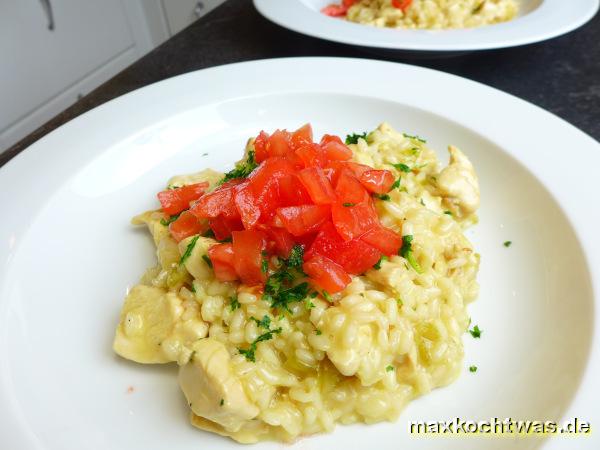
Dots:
pixel 148 317
pixel 212 389
pixel 458 183
pixel 195 264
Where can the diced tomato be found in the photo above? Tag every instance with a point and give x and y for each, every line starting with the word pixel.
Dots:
pixel 318 185
pixel 218 202
pixel 260 147
pixel 353 221
pixel 335 149
pixel 302 136
pixel 348 3
pixel 222 258
pixel 377 181
pixel 279 143
pixel 326 274
pixel 222 227
pixel 334 10
pixel 348 189
pixel 246 205
pixel 187 225
pixel 383 239
pixel 264 183
pixel 248 246
pixel 282 241
pixel 357 169
pixel 173 201
pixel 292 192
pixel 355 256
pixel 303 219
pixel 311 155
pixel 401 4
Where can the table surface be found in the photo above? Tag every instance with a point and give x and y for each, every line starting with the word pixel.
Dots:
pixel 561 75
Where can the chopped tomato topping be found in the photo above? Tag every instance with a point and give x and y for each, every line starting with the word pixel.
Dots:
pixel 173 201
pixel 301 193
pixel 187 225
pixel 378 181
pixel 334 10
pixel 327 274
pixel 401 4
pixel 248 246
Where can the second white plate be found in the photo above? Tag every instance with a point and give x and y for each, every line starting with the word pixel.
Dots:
pixel 538 20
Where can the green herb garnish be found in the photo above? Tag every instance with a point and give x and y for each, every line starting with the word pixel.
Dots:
pixel 415 137
pixel 407 253
pixel 396 184
pixel 249 352
pixel 234 303
pixel 384 197
pixel 326 296
pixel 207 261
pixel 168 221
pixel 507 244
pixel 264 266
pixel 296 256
pixel 348 205
pixel 353 138
pixel 319 332
pixel 265 322
pixel 402 167
pixel 389 368
pixel 472 368
pixel 476 332
pixel 243 169
pixel 377 265
pixel 448 213
pixel 189 249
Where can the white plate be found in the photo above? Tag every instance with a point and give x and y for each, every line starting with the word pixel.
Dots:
pixel 538 20
pixel 68 252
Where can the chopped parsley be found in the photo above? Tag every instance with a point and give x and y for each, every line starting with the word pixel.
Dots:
pixel 448 213
pixel 407 253
pixel 472 368
pixel 168 221
pixel 264 266
pixel 348 205
pixel 249 352
pixel 353 138
pixel 207 261
pixel 189 249
pixel 396 184
pixel 422 202
pixel 193 288
pixel 384 197
pixel 296 256
pixel 309 304
pixel 279 288
pixel 265 322
pixel 389 368
pixel 402 167
pixel 415 137
pixel 222 402
pixel 476 332
pixel 209 234
pixel 400 302
pixel 507 244
pixel 313 294
pixel 319 332
pixel 377 265
pixel 234 303
pixel 243 169
pixel 326 296
pixel 204 154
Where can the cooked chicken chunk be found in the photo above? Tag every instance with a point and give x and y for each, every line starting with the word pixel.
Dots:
pixel 458 183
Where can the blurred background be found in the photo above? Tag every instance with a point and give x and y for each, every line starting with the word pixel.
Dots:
pixel 56 51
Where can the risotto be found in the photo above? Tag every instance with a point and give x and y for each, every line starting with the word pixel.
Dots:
pixel 426 14
pixel 260 361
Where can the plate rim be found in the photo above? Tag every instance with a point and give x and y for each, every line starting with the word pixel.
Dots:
pixel 294 17
pixel 47 152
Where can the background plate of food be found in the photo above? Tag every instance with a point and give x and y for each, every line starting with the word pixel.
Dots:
pixel 484 307
pixel 430 25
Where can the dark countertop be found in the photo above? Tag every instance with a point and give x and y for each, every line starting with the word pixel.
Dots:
pixel 561 75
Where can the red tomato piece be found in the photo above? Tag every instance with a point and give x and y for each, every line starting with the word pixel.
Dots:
pixel 334 10
pixel 335 149
pixel 318 185
pixel 246 205
pixel 292 192
pixel 355 256
pixel 326 274
pixel 187 225
pixel 218 202
pixel 353 221
pixel 260 147
pixel 348 189
pixel 383 239
pixel 173 201
pixel 348 3
pixel 401 4
pixel 302 136
pixel 279 143
pixel 357 169
pixel 311 155
pixel 303 219
pixel 377 181
pixel 222 258
pixel 222 227
pixel 248 246
pixel 282 241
